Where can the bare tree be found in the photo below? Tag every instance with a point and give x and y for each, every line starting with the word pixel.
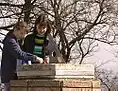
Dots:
pixel 109 79
pixel 77 24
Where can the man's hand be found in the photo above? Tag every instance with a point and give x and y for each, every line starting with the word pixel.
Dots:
pixel 38 59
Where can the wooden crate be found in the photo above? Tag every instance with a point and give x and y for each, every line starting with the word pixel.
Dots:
pixel 55 85
pixel 56 71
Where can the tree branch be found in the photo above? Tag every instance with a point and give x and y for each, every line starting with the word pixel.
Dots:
pixel 6 27
pixel 12 5
pixel 8 16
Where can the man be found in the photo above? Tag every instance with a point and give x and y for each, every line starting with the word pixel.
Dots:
pixel 12 52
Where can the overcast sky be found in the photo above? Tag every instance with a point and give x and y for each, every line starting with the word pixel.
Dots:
pixel 105 55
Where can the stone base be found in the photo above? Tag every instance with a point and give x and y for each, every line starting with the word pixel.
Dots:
pixel 55 77
pixel 55 85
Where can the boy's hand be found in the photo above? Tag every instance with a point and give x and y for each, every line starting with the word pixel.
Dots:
pixel 46 60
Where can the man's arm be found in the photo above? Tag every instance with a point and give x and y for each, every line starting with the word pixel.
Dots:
pixel 15 50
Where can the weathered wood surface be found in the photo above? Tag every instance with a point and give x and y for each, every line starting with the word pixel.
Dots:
pixel 55 85
pixel 71 78
pixel 56 70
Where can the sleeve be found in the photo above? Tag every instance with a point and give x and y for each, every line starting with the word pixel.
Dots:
pixel 15 50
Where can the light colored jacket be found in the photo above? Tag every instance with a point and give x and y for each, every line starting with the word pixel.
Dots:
pixel 52 47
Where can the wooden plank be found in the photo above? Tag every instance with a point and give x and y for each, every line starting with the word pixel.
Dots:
pixel 19 83
pixel 18 89
pixel 80 89
pixel 96 83
pixel 77 83
pixel 44 83
pixel 74 72
pixel 35 83
pixel 55 67
pixel 44 89
pixel 57 73
pixel 77 89
pixel 96 89
pixel 57 70
pixel 55 77
pixel 54 89
pixel 56 85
